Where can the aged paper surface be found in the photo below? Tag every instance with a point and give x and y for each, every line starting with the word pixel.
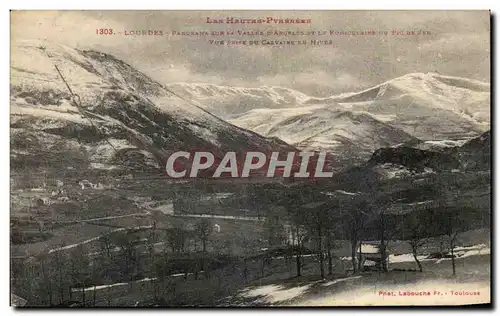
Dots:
pixel 250 158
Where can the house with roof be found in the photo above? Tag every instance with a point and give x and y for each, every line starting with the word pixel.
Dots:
pixel 371 258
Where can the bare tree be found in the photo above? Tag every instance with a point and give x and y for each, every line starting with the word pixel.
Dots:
pixel 452 227
pixel 330 244
pixel 129 264
pixel 246 247
pixel 415 230
pixel 274 230
pixel 151 239
pixel 318 223
pixel 161 284
pixel 79 268
pixel 386 231
pixel 59 268
pixel 416 244
pixel 202 231
pixel 176 238
pixel 354 218
pixel 299 233
pixel 46 278
pixel 106 244
pixel 26 280
pixel 452 221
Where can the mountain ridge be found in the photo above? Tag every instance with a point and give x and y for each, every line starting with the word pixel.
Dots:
pixel 122 105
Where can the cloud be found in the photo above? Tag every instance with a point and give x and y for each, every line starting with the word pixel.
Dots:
pixel 457 44
pixel 180 73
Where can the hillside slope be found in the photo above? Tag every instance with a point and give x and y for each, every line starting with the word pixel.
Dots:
pixel 227 102
pixel 128 118
pixel 430 111
pixel 350 136
pixel 429 106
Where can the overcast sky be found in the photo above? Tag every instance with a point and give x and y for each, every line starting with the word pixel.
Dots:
pixel 458 44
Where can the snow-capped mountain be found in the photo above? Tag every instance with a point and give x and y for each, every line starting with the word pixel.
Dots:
pixel 226 101
pixel 349 135
pixel 124 110
pixel 428 106
pixel 430 111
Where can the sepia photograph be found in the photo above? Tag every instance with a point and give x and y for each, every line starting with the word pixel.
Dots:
pixel 245 158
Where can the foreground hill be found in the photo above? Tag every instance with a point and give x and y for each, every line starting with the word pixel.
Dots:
pixel 126 118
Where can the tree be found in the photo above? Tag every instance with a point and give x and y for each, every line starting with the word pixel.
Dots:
pixel 26 280
pixel 452 225
pixel 94 276
pixel 386 228
pixel 248 247
pixel 451 221
pixel 331 221
pixel 330 244
pixel 415 230
pixel 274 229
pixel 354 217
pixel 129 263
pixel 202 231
pixel 151 239
pixel 16 234
pixel 46 278
pixel 105 259
pixel 79 268
pixel 318 223
pixel 299 235
pixel 59 269
pixel 106 244
pixel 293 200
pixel 161 284
pixel 176 238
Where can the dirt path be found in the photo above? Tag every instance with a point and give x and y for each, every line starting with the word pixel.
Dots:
pixel 98 237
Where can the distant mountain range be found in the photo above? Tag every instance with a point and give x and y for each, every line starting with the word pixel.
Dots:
pixel 430 107
pixel 227 101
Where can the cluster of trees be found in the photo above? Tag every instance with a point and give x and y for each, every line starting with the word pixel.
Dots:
pixel 439 221
pixel 300 218
pixel 321 218
pixel 49 278
pixel 52 277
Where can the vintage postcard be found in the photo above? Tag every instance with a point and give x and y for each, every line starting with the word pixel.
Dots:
pixel 250 158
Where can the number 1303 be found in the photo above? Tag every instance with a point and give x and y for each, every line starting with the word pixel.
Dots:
pixel 104 31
